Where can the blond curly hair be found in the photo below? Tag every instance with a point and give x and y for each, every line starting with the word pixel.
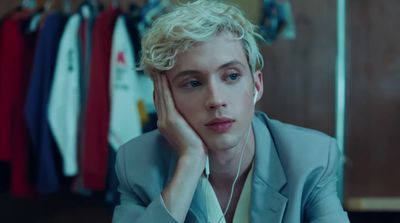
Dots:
pixel 190 23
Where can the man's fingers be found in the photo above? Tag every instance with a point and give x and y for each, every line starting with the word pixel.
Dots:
pixel 161 109
pixel 166 110
pixel 168 101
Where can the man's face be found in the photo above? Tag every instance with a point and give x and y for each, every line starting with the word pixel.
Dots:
pixel 213 90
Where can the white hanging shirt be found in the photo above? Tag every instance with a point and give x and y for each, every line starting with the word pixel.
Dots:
pixel 63 108
pixel 125 122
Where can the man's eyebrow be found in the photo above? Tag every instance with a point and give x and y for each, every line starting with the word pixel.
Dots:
pixel 186 73
pixel 196 72
pixel 231 63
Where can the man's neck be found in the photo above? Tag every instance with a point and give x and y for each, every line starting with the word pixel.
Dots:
pixel 224 170
pixel 224 165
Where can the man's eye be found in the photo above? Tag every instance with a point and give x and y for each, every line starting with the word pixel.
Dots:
pixel 193 84
pixel 233 76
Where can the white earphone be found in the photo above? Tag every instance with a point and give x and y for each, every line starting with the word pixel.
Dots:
pixel 207 168
pixel 255 96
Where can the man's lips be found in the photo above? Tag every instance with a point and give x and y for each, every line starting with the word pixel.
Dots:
pixel 220 125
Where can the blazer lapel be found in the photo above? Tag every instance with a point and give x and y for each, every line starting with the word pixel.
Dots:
pixel 267 203
pixel 197 211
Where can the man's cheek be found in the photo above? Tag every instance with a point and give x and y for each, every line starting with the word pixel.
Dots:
pixel 183 108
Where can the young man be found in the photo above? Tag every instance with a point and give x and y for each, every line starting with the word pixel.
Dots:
pixel 213 159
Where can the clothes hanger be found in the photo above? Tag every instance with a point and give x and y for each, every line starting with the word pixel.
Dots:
pixel 54 5
pixel 67 6
pixel 42 9
pixel 28 4
pixel 115 3
pixel 42 4
pixel 26 9
pixel 48 7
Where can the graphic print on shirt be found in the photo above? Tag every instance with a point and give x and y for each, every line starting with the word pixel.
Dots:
pixel 125 95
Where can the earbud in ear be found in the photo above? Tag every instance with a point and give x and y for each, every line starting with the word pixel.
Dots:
pixel 207 167
pixel 255 96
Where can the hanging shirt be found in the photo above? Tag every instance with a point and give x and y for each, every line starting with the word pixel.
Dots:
pixel 97 114
pixel 125 93
pixel 144 80
pixel 63 110
pixel 87 12
pixel 85 37
pixel 37 101
pixel 17 49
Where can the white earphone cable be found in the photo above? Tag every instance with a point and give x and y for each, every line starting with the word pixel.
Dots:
pixel 236 177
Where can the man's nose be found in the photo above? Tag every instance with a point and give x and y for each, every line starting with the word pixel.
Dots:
pixel 215 98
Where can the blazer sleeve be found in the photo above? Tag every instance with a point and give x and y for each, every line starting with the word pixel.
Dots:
pixel 132 209
pixel 323 204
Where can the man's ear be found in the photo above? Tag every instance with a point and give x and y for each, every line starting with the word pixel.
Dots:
pixel 258 84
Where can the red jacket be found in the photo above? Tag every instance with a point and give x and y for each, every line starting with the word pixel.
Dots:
pixel 16 57
pixel 97 115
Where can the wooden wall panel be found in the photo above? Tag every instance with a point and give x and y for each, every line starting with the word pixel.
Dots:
pixel 299 75
pixel 373 111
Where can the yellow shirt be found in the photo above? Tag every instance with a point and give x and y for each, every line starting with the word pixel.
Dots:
pixel 242 212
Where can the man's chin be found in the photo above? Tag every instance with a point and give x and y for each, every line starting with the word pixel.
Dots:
pixel 221 145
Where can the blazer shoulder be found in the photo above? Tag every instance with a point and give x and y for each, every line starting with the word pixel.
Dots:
pixel 150 151
pixel 299 135
pixel 301 148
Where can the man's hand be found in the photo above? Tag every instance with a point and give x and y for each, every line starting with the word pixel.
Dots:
pixel 171 123
pixel 178 194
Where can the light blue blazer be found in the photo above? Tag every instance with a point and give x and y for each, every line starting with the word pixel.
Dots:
pixel 294 178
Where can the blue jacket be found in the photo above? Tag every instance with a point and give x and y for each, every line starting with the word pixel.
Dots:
pixel 294 177
pixel 37 101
